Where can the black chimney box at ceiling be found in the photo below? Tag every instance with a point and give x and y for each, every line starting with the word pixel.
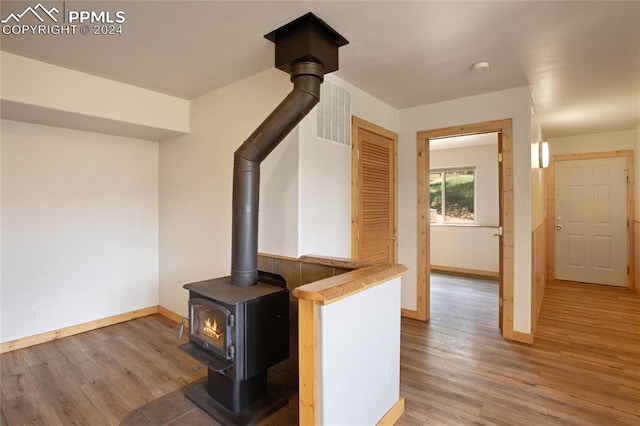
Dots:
pixel 239 325
pixel 307 38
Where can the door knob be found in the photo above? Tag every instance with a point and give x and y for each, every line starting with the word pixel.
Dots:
pixel 558 227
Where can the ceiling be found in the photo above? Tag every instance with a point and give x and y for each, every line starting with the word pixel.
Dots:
pixel 581 58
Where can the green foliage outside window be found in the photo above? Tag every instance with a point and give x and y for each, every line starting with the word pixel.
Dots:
pixel 457 189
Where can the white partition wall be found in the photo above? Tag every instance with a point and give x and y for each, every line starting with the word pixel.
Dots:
pixel 359 356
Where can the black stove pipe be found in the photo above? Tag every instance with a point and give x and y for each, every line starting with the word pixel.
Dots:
pixel 307 49
pixel 306 77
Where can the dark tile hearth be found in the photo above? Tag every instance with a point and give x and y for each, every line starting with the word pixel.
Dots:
pixel 176 410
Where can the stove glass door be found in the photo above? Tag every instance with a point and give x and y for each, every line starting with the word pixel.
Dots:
pixel 209 326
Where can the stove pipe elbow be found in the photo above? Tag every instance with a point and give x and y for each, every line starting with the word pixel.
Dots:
pixel 306 77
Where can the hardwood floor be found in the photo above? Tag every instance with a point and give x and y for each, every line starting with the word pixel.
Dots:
pixel 94 378
pixel 583 369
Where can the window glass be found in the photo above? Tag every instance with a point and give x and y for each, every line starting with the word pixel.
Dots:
pixel 452 196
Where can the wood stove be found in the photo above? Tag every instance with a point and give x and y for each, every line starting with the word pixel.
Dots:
pixel 238 325
pixel 237 333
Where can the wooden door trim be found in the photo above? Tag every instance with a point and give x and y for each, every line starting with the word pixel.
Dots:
pixel 357 125
pixel 500 246
pixel 551 189
pixel 505 128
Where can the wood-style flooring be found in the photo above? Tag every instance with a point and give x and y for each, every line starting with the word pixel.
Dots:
pixel 583 369
pixel 94 378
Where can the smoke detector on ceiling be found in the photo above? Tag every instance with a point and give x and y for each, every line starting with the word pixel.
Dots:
pixel 479 67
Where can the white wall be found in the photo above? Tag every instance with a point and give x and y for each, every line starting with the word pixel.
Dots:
pixel 359 378
pixel 595 142
pixel 512 103
pixel 470 247
pixel 467 247
pixel 538 177
pixel 325 177
pixel 279 199
pixel 79 227
pixel 196 185
pixel 37 92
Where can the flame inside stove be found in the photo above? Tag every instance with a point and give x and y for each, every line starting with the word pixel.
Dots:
pixel 210 330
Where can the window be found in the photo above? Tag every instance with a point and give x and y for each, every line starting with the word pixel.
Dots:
pixel 452 196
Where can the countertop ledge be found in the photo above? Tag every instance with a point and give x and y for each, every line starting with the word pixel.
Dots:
pixel 338 287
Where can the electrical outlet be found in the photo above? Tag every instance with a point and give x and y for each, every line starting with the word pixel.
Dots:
pixel 35 313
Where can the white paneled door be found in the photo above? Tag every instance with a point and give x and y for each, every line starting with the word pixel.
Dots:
pixel 591 221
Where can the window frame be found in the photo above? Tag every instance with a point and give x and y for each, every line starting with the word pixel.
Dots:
pixel 442 171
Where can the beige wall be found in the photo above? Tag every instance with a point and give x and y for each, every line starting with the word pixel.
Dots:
pixel 37 92
pixel 79 227
pixel 595 142
pixel 79 195
pixel 538 223
pixel 196 182
pixel 538 177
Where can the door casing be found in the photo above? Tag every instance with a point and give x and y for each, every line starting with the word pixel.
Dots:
pixel 504 128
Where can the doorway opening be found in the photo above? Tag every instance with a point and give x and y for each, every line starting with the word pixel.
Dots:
pixel 464 204
pixel 504 131
pixel 464 212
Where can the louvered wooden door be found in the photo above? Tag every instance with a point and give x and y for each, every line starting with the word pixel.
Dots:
pixel 375 199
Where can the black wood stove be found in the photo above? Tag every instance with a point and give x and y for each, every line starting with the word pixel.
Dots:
pixel 238 325
pixel 237 333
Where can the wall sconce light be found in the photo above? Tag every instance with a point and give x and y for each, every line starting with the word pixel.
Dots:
pixel 543 157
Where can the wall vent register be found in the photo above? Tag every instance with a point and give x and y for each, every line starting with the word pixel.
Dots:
pixel 333 114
